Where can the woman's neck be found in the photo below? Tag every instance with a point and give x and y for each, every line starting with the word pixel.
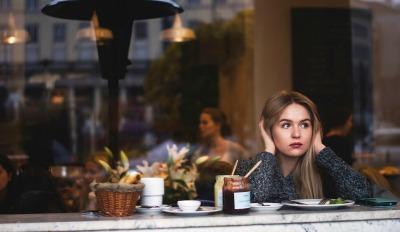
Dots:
pixel 215 141
pixel 287 164
pixel 217 144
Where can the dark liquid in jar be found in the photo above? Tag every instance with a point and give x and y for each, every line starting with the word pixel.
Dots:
pixel 232 186
pixel 229 204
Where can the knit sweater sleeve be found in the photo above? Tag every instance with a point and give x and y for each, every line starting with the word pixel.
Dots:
pixel 349 183
pixel 266 182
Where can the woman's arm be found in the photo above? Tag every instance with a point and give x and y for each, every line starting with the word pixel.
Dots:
pixel 348 183
pixel 266 183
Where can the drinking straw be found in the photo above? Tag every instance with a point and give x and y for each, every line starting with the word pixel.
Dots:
pixel 252 169
pixel 234 168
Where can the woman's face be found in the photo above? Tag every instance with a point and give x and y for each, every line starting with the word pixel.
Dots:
pixel 292 133
pixel 4 178
pixel 93 172
pixel 207 126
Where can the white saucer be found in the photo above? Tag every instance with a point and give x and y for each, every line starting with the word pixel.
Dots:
pixel 203 210
pixel 313 204
pixel 265 206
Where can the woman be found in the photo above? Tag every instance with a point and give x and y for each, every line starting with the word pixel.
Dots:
pixel 295 162
pixel 93 171
pixel 339 137
pixel 6 176
pixel 213 128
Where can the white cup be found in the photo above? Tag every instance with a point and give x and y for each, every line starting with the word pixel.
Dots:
pixel 153 191
pixel 189 205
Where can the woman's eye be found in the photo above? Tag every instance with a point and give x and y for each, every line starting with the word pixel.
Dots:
pixel 304 125
pixel 285 125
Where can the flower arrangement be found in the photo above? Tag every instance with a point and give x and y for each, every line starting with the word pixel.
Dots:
pixel 179 176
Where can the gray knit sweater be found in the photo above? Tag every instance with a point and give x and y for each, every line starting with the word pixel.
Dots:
pixel 267 184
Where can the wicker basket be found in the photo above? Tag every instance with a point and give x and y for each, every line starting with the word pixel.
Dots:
pixel 117 204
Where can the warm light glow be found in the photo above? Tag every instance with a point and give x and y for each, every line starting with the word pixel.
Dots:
pixel 13 35
pixel 178 33
pixel 95 32
pixel 57 99
pixel 10 40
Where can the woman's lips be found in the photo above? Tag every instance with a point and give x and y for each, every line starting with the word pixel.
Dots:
pixel 295 145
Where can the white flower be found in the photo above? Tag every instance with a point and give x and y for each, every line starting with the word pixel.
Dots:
pixel 176 154
pixel 150 171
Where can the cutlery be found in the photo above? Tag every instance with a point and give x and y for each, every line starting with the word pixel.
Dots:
pixel 295 202
pixel 263 204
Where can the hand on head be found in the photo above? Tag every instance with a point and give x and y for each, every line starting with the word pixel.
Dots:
pixel 268 142
pixel 317 143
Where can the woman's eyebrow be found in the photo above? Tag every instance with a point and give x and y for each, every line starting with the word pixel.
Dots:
pixel 285 120
pixel 304 120
pixel 288 120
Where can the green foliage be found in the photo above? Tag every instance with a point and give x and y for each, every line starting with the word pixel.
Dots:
pixel 186 78
pixel 115 175
pixel 337 201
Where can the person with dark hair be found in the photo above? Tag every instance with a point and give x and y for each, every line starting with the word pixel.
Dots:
pixel 6 176
pixel 223 153
pixel 35 187
pixel 213 128
pixel 338 137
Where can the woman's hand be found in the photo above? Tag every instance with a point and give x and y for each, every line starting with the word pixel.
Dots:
pixel 318 146
pixel 268 142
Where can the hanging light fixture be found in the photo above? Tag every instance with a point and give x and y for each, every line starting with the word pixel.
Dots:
pixel 117 16
pixel 178 33
pixel 14 35
pixel 95 33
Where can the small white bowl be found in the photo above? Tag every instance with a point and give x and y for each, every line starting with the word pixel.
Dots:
pixel 189 205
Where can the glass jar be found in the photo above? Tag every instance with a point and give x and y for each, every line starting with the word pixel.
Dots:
pixel 236 195
pixel 218 186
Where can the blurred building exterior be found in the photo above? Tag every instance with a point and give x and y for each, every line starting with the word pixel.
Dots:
pixel 55 61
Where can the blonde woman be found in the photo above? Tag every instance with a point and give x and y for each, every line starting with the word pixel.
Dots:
pixel 295 162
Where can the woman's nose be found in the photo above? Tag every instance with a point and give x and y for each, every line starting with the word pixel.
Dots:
pixel 295 132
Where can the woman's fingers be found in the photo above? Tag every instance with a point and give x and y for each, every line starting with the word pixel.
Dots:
pixel 318 146
pixel 268 142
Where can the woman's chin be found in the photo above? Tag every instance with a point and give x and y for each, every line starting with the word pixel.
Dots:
pixel 294 153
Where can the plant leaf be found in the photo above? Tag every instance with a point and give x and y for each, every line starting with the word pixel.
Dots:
pixel 109 152
pixel 214 159
pixel 105 166
pixel 124 160
pixel 201 159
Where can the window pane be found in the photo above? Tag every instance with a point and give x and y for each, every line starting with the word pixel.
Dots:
pixel 59 30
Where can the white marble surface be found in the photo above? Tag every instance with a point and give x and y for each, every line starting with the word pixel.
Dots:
pixel 356 218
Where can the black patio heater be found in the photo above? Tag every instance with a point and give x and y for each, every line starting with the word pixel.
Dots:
pixel 117 16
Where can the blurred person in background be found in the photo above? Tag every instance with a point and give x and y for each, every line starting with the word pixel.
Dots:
pixel 222 153
pixel 6 191
pixel 93 171
pixel 339 137
pixel 36 187
pixel 213 129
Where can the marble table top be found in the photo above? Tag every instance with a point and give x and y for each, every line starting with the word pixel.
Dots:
pixel 142 222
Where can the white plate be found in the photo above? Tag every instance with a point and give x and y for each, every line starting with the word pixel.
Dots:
pixel 203 210
pixel 313 204
pixel 156 209
pixel 265 206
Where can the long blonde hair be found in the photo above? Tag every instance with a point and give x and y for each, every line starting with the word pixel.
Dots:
pixel 306 176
